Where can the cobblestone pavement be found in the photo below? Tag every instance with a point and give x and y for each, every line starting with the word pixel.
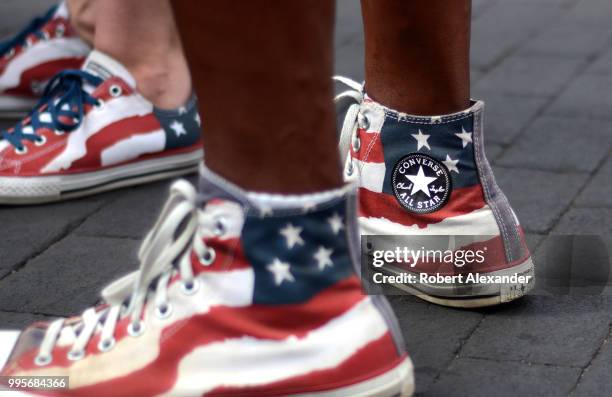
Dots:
pixel 545 69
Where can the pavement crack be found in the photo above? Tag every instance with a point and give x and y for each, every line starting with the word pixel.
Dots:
pixel 570 205
pixel 34 313
pixel 69 228
pixel 586 368
pixel 545 106
pixel 542 364
pixel 457 351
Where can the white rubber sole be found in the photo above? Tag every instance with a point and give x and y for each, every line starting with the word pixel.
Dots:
pixel 7 342
pixel 45 189
pixel 398 382
pixel 14 107
pixel 482 295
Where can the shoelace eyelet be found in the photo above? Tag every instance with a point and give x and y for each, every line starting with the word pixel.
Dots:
pixel 208 257
pixel 41 361
pixel 363 121
pixel 65 98
pixel 115 91
pixel 163 311
pixel 220 227
pixel 350 168
pixel 105 345
pixel 135 329
pixel 99 105
pixel 28 43
pixel 10 53
pixel 190 287
pixel 60 30
pixel 356 143
pixel 21 150
pixel 59 133
pixel 41 140
pixel 76 355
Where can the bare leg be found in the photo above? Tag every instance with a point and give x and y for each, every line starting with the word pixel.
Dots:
pixel 261 69
pixel 143 37
pixel 83 18
pixel 417 54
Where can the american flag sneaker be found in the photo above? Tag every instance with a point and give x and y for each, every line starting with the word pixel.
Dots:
pixel 91 132
pixel 233 298
pixel 429 176
pixel 33 56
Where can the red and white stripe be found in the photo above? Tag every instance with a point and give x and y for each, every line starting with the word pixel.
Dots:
pixel 218 343
pixel 125 129
pixel 380 214
pixel 39 60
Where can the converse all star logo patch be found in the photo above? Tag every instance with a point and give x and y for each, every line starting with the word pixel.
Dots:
pixel 421 184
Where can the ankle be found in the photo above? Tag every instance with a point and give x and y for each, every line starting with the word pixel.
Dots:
pixel 165 83
pixel 82 19
pixel 418 101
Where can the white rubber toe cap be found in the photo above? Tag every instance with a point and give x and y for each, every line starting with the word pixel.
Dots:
pixel 7 342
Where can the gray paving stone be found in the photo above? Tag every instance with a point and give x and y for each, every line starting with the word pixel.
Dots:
pixel 558 3
pixel 506 116
pixel 569 38
pixel 349 60
pixel 594 264
pixel 475 75
pixel 475 378
pixel 587 96
pixel 502 27
pixel 493 151
pixel 544 145
pixel 538 197
pixel 10 320
pixel 542 76
pixel 68 277
pixel 349 25
pixel 586 221
pixel 602 64
pixel 523 331
pixel 20 14
pixel 592 13
pixel 433 334
pixel 596 378
pixel 575 265
pixel 131 215
pixel 480 6
pixel 598 192
pixel 27 231
pixel 533 240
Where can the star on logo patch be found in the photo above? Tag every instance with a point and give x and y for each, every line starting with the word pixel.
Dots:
pixel 421 184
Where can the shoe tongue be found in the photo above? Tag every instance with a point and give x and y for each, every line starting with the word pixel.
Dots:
pixel 103 66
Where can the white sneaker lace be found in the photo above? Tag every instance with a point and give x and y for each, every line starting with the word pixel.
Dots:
pixel 353 117
pixel 179 227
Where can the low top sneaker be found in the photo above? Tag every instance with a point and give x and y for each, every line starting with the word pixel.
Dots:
pixel 92 132
pixel 429 178
pixel 238 295
pixel 32 57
